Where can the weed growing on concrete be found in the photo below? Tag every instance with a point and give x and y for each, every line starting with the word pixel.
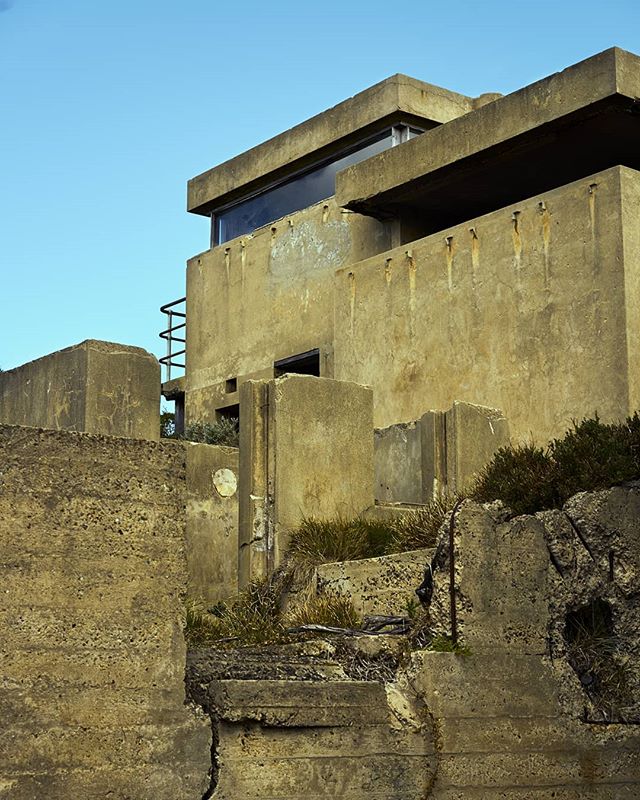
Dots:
pixel 419 527
pixel 590 456
pixel 255 616
pixel 594 653
pixel 328 609
pixel 319 541
pixel 445 644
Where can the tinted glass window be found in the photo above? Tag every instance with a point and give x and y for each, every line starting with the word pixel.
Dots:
pixel 295 194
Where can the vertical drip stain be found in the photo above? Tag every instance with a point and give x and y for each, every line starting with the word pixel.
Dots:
pixel 243 260
pixel 475 249
pixel 593 188
pixel 325 212
pixel 387 270
pixel 412 292
pixel 352 302
pixel 517 238
pixel 449 254
pixel 546 237
pixel 227 259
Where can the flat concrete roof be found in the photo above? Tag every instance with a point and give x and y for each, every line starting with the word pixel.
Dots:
pixel 573 123
pixel 396 98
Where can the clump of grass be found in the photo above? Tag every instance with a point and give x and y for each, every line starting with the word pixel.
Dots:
pixel 328 609
pixel 591 455
pixel 255 616
pixel 419 527
pixel 319 541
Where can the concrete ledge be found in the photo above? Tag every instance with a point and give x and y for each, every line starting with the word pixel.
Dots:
pixel 301 703
pixel 542 136
pixel 382 104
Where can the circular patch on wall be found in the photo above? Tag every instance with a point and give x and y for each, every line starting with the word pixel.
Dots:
pixel 225 482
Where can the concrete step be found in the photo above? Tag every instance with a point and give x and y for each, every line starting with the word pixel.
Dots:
pixel 300 740
pixel 384 585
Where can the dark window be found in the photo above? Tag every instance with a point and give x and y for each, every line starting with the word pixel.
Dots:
pixel 303 364
pixel 231 385
pixel 229 412
pixel 301 191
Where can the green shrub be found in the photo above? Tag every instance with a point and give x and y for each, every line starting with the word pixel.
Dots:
pixel 223 431
pixel 591 455
pixel 522 477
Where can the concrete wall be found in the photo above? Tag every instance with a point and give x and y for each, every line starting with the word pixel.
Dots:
pixel 306 450
pixel 440 453
pixel 212 521
pixel 511 714
pixel 92 534
pixel 531 309
pixel 266 296
pixel 96 387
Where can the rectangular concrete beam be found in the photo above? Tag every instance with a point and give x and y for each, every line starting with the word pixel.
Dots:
pixel 396 97
pixel 571 98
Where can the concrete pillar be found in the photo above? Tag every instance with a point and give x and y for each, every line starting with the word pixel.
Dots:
pixel 306 450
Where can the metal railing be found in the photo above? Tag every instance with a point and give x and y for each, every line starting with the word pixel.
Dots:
pixel 169 334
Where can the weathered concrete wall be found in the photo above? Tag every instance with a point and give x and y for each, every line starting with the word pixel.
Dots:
pixel 511 715
pixel 95 387
pixel 531 309
pixel 306 450
pixel 212 521
pixel 263 297
pixel 93 569
pixel 438 454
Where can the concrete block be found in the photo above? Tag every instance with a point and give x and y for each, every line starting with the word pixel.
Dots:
pixel 398 464
pixel 473 434
pixel 92 387
pixel 384 585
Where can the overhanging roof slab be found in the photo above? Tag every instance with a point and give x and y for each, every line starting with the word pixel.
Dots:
pixel 397 97
pixel 572 123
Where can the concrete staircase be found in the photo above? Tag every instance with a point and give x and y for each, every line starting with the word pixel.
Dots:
pixel 294 722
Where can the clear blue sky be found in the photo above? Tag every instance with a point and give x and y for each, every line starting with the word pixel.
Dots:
pixel 109 107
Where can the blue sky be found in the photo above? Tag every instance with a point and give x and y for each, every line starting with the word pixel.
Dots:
pixel 109 107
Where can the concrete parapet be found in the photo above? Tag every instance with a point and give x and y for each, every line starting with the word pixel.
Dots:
pixel 306 450
pixel 440 453
pixel 92 387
